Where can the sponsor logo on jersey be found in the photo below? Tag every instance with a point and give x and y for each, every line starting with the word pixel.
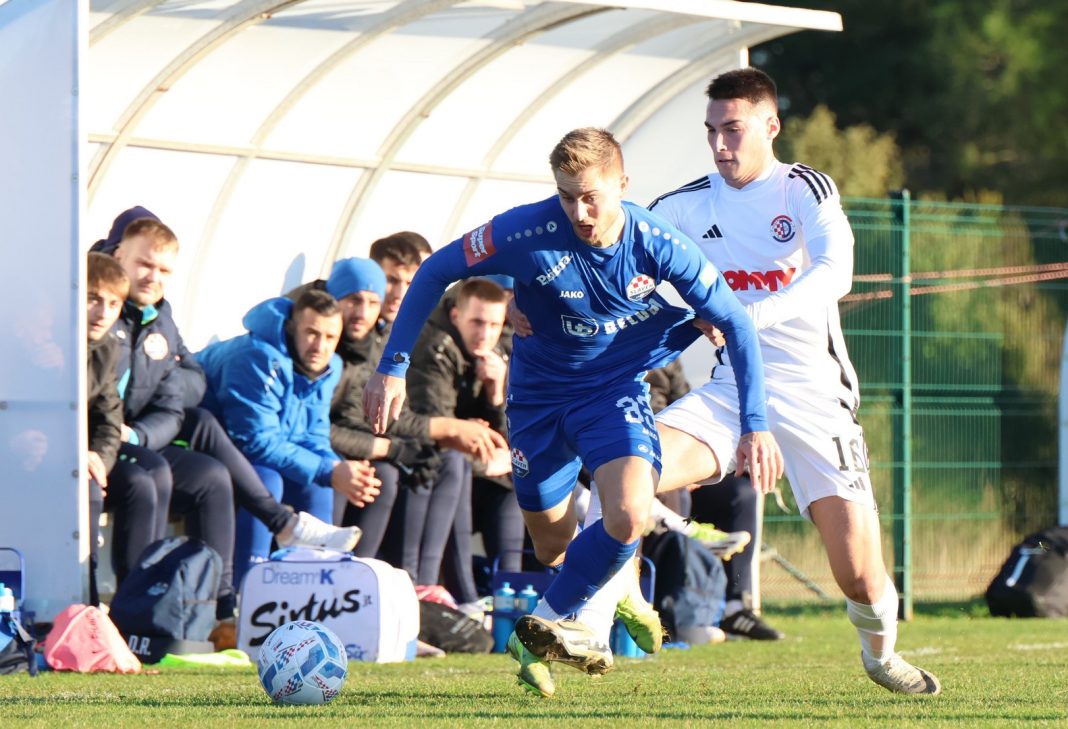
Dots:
pixel 782 229
pixel 611 327
pixel 578 326
pixel 156 346
pixel 640 286
pixel 556 270
pixel 520 464
pixel 478 244
pixel 712 232
pixel 770 280
pixel 572 294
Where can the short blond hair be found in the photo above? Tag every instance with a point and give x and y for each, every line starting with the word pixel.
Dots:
pixel 159 235
pixel 584 149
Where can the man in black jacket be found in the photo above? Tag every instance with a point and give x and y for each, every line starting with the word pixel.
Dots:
pixel 459 369
pixel 106 288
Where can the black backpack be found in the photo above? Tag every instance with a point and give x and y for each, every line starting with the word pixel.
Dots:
pixel 451 630
pixel 1033 582
pixel 16 646
pixel 691 585
pixel 167 602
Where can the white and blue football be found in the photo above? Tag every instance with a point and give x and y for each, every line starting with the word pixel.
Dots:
pixel 302 663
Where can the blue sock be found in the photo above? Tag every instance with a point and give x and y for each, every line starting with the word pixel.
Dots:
pixel 591 559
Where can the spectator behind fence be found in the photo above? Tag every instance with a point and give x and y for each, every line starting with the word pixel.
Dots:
pixel 271 389
pixel 201 435
pixel 460 369
pixel 106 289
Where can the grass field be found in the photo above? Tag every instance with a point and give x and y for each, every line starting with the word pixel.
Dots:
pixel 994 673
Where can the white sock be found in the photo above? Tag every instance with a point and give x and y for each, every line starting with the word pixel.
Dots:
pixel 669 518
pixel 593 510
pixel 876 624
pixel 544 611
pixel 582 502
pixel 599 612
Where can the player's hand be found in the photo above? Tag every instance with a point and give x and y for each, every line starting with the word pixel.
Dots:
pixel 500 464
pixel 492 371
pixel 518 320
pixel 710 331
pixel 97 471
pixel 475 438
pixel 759 451
pixel 383 398
pixel 125 433
pixel 356 481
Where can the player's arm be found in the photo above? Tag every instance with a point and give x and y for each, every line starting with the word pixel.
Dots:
pixel 471 255
pixel 829 244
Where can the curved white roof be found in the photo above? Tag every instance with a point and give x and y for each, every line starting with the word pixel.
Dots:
pixel 275 136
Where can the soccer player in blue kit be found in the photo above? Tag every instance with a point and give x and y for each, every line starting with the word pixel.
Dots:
pixel 586 265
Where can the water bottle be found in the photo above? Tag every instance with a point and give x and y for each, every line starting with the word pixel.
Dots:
pixel 503 616
pixel 526 600
pixel 7 599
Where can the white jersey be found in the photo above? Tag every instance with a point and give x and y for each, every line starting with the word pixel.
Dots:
pixel 785 247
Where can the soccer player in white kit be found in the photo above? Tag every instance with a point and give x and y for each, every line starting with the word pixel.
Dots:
pixel 779 235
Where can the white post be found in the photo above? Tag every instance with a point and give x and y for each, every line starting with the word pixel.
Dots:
pixel 42 337
pixel 1062 491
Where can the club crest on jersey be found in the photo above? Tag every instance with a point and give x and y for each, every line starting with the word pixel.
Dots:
pixel 478 244
pixel 156 346
pixel 640 286
pixel 520 464
pixel 578 326
pixel 782 229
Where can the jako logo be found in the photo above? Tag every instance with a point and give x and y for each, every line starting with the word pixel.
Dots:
pixel 551 273
pixel 478 244
pixel 770 280
pixel 572 294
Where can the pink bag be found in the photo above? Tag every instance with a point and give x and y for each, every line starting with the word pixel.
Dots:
pixel 84 639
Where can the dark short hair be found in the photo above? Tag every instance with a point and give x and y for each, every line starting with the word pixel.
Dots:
pixel 104 273
pixel 403 248
pixel 750 84
pixel 480 288
pixel 319 301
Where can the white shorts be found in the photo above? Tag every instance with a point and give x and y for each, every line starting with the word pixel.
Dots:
pixel 822 444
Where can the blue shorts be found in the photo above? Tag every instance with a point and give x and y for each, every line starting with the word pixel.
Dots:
pixel 552 440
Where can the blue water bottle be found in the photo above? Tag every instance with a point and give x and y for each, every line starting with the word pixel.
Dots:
pixel 526 600
pixel 503 616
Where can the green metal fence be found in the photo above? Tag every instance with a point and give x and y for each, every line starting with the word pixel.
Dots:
pixel 955 325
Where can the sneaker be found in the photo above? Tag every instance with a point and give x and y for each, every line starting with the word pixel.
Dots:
pixel 642 621
pixel 900 676
pixel 722 544
pixel 533 675
pixel 747 624
pixel 312 532
pixel 700 634
pixel 566 641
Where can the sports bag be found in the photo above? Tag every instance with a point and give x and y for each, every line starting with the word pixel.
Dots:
pixel 83 639
pixel 450 630
pixel 167 603
pixel 691 585
pixel 16 646
pixel 369 604
pixel 1033 582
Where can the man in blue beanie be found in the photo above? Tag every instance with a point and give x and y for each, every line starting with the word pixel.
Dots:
pixel 271 390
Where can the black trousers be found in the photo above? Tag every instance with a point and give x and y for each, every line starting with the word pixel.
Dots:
pixel 96 508
pixel 732 506
pixel 203 433
pixel 373 518
pixel 138 497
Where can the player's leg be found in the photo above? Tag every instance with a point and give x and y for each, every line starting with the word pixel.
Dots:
pixel 699 435
pixel 826 462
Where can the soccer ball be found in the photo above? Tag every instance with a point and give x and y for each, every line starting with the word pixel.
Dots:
pixel 302 663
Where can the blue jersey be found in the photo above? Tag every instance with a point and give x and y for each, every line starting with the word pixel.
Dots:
pixel 595 312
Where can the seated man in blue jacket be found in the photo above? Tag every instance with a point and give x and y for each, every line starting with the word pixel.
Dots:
pixel 271 390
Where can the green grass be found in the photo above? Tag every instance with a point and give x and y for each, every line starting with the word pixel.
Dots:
pixel 994 673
